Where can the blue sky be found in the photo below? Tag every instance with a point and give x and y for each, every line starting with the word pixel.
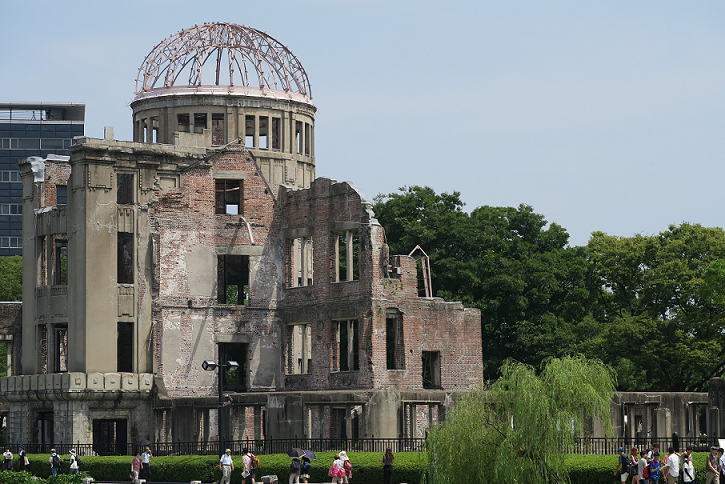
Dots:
pixel 601 115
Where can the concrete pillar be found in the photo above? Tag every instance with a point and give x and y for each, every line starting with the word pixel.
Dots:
pixel 9 357
pixel 713 423
pixel 257 422
pixel 302 138
pixel 256 131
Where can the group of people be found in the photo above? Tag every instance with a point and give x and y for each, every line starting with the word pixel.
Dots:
pixel 8 460
pixel 646 467
pixel 141 465
pixel 249 460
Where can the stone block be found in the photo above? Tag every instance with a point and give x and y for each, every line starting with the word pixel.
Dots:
pixel 112 381
pixel 40 383
pixel 129 382
pixel 12 383
pixel 57 381
pixel 94 381
pixel 49 381
pixel 26 382
pixel 4 384
pixel 74 381
pixel 145 381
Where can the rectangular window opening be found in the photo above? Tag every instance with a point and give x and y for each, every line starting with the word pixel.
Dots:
pixel 276 123
pixel 302 262
pixel 347 342
pixel 298 136
pixel 182 125
pixel 199 123
pixel 61 195
pixel 249 131
pixel 431 369
pixel 229 197
pixel 61 262
pixel 155 129
pixel 61 348
pixel 300 347
pixel 264 132
pixel 307 139
pixel 124 194
pixel 233 279
pixel 124 347
pixel 394 343
pixel 347 252
pixel 234 380
pixel 217 129
pixel 125 258
pixel 110 436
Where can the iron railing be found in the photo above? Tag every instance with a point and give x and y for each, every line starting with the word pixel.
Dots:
pixel 258 447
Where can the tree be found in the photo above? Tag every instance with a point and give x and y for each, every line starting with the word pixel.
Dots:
pixel 509 262
pixel 11 278
pixel 661 307
pixel 519 428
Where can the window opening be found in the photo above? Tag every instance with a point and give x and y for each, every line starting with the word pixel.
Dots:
pixel 307 139
pixel 61 349
pixel 347 342
pixel 431 369
pixel 300 349
pixel 43 336
pixel 347 249
pixel 249 131
pixel 233 279
pixel 298 136
pixel 124 195
pixel 182 123
pixel 234 380
pixel 340 419
pixel 61 262
pixel 199 123
pixel 125 258
pixel 264 132
pixel 124 347
pixel 45 430
pixel 394 346
pixel 217 129
pixel 109 436
pixel 276 122
pixel 302 262
pixel 228 197
pixel 155 129
pixel 61 195
pixel 42 262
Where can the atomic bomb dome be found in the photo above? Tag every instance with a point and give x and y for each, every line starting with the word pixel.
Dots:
pixel 227 83
pixel 239 56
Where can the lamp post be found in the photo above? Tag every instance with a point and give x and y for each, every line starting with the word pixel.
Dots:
pixel 210 365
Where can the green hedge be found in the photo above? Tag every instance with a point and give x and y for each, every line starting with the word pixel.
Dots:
pixel 367 468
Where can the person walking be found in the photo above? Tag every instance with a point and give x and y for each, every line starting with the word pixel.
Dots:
pixel 641 464
pixel 688 470
pixel 711 467
pixel 632 465
pixel 226 465
pixel 306 468
pixel 146 464
pixel 73 462
pixel 339 469
pixel 136 466
pixel 294 471
pixel 672 468
pixel 346 467
pixel 23 462
pixel 388 459
pixel 721 463
pixel 56 465
pixel 654 468
pixel 7 460
pixel 248 471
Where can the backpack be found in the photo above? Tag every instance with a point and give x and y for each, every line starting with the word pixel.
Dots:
pixel 294 466
pixel 255 462
pixel 78 461
pixel 56 462
pixel 645 472
pixel 347 465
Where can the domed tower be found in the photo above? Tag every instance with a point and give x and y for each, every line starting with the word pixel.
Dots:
pixel 243 86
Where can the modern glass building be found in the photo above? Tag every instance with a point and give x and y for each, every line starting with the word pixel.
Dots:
pixel 30 129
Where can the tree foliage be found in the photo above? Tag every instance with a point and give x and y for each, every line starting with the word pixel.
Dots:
pixel 519 428
pixel 662 307
pixel 11 278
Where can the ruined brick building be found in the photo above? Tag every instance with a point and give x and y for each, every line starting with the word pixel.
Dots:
pixel 209 238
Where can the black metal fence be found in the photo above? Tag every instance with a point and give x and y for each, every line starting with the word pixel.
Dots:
pixel 280 446
pixel 258 447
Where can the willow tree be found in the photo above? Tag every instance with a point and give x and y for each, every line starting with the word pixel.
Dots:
pixel 518 429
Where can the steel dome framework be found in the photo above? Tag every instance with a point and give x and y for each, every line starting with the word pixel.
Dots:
pixel 250 55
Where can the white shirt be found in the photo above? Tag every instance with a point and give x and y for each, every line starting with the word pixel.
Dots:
pixel 689 468
pixel 226 460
